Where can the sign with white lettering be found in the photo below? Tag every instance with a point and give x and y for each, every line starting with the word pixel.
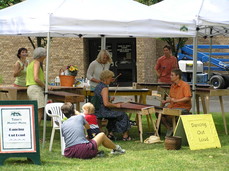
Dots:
pixel 198 130
pixel 17 128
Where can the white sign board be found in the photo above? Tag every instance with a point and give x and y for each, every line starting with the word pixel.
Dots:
pixel 17 129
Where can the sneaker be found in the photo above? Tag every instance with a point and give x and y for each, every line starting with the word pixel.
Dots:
pixel 118 150
pixel 133 123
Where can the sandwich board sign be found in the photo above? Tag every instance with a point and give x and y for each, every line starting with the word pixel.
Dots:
pixel 198 131
pixel 19 134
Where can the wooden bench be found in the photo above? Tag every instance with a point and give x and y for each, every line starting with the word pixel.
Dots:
pixel 170 112
pixel 62 96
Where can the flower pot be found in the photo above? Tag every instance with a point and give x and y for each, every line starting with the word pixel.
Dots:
pixel 67 80
pixel 173 142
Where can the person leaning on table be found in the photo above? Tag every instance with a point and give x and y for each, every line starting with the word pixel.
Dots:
pixel 96 67
pixel 77 145
pixel 35 80
pixel 179 98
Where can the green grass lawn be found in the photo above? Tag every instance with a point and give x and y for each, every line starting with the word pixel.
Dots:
pixel 139 156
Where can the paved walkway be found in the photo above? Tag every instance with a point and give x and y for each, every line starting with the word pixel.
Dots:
pixel 214 102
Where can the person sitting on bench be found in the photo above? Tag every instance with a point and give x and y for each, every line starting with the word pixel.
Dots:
pixel 179 98
pixel 118 121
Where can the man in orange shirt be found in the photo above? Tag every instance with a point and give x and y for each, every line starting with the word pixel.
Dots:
pixel 165 64
pixel 179 98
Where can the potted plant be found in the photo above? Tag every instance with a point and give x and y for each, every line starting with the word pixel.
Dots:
pixel 67 76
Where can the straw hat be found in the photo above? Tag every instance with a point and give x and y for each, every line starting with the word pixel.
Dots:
pixel 152 139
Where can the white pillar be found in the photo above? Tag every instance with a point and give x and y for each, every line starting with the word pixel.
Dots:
pixel 103 42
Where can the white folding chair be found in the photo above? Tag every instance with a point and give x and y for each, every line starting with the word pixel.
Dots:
pixel 54 111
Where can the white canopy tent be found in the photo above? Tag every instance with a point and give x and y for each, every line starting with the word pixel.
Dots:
pixel 201 14
pixel 113 18
pixel 208 17
pixel 87 18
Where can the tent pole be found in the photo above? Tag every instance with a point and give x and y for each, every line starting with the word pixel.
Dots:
pixel 195 42
pixel 209 60
pixel 46 87
pixel 103 42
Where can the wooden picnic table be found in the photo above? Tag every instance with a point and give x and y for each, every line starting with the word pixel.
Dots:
pixel 62 96
pixel 139 94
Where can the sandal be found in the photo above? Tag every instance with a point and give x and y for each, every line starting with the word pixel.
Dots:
pixel 111 137
pixel 128 138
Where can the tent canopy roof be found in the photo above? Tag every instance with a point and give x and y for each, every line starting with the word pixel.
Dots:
pixel 115 18
pixel 90 18
pixel 210 17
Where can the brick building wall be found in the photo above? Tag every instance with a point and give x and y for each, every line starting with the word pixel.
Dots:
pixel 144 61
pixel 8 51
pixel 147 54
pixel 64 51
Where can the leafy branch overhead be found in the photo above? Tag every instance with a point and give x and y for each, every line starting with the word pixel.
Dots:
pixel 175 43
pixel 7 3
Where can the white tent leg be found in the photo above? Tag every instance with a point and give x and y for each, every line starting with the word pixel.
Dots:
pixel 195 42
pixel 46 87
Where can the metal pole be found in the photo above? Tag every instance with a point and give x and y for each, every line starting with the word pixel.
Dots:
pixel 195 42
pixel 209 60
pixel 46 87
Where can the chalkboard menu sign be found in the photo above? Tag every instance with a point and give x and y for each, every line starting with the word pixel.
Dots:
pixel 19 130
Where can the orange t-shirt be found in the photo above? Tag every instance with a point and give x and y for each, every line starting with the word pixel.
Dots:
pixel 165 66
pixel 178 91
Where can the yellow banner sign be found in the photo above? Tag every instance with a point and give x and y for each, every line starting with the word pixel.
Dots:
pixel 200 131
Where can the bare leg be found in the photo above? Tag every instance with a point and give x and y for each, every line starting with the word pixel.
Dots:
pixel 40 114
pixel 101 138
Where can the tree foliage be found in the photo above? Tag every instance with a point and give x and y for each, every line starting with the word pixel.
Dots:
pixel 175 43
pixel 149 2
pixel 7 3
